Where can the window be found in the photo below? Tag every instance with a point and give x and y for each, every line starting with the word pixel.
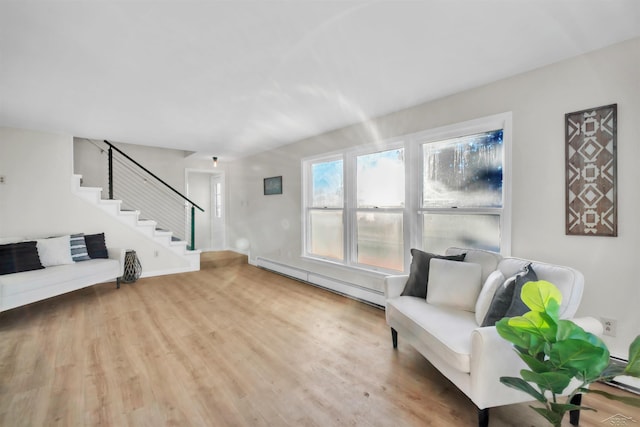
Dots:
pixel 462 192
pixel 325 216
pixel 435 189
pixel 380 181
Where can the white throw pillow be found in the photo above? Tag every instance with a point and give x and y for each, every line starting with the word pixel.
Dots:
pixel 454 284
pixel 54 251
pixel 495 279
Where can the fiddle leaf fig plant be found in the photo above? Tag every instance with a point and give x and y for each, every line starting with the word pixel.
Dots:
pixel 557 351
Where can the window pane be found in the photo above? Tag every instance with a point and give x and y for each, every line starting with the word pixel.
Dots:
pixel 464 172
pixel 380 240
pixel 381 179
pixel 326 237
pixel 464 231
pixel 327 187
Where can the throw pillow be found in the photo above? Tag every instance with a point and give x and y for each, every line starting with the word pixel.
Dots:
pixel 96 247
pixel 500 302
pixel 417 282
pixel 55 251
pixel 503 299
pixel 494 280
pixel 26 256
pixel 454 284
pixel 517 307
pixel 7 264
pixel 78 248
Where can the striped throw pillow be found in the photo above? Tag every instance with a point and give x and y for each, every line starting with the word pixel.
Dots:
pixel 79 248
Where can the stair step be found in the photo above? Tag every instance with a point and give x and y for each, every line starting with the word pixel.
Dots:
pixel 131 217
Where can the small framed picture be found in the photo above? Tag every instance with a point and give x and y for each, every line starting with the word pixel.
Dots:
pixel 273 185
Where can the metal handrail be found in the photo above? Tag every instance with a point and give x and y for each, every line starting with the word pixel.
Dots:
pixel 147 171
pixel 193 204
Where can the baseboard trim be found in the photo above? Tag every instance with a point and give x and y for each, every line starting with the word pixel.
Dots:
pixel 350 290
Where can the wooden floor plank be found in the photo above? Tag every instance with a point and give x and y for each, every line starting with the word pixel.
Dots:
pixel 230 345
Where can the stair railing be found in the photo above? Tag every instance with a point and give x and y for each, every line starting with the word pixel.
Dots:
pixel 136 171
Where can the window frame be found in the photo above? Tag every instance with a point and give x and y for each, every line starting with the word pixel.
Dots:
pixel 412 211
pixel 352 209
pixel 472 127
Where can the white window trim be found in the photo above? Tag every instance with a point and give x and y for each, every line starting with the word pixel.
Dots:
pixel 412 144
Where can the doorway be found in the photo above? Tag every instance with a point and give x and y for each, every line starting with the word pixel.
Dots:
pixel 206 188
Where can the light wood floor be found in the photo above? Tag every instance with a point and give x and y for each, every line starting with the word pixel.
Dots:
pixel 231 345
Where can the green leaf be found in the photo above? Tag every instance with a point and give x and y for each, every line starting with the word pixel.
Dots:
pixel 612 371
pixel 522 385
pixel 629 400
pixel 514 335
pixel 554 381
pixel 537 295
pixel 588 360
pixel 554 418
pixel 534 364
pixel 633 367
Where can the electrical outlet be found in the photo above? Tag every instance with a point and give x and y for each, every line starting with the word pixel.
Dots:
pixel 2 179
pixel 610 326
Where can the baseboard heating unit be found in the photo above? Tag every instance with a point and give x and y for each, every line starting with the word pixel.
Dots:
pixel 369 296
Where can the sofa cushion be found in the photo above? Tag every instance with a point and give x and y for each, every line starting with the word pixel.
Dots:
pixel 517 307
pixel 55 251
pixel 454 284
pixel 28 281
pixel 96 247
pixel 502 304
pixel 18 257
pixel 443 330
pixel 495 279
pixel 487 259
pixel 78 248
pixel 417 282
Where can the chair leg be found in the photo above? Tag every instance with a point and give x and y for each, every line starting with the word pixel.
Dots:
pixel 394 337
pixel 483 417
pixel 574 416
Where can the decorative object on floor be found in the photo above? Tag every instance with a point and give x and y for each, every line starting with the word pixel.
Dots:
pixel 132 267
pixel 273 185
pixel 591 198
pixel 557 352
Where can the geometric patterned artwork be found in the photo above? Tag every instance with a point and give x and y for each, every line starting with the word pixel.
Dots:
pixel 591 172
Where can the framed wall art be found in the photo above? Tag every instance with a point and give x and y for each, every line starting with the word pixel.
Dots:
pixel 273 185
pixel 590 149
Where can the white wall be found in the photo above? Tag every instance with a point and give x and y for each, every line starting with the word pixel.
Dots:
pixel 37 201
pixel 270 226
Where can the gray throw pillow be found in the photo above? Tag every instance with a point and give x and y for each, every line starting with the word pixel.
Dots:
pixel 506 301
pixel 501 302
pixel 417 282
pixel 517 307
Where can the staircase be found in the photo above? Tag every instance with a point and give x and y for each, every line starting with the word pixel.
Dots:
pixel 132 219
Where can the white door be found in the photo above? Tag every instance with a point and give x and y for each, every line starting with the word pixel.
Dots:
pixel 206 189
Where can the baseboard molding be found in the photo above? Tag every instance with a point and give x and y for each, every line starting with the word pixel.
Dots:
pixel 351 290
pixel 626 383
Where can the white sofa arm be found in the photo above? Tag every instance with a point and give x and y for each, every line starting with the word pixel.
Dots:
pixel 118 254
pixel 493 357
pixel 394 285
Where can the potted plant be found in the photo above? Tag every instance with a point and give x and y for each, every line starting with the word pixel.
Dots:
pixel 557 351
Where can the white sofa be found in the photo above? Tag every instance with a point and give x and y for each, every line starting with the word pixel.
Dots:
pixel 17 289
pixel 472 357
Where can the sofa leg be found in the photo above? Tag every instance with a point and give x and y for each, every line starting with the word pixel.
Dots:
pixel 483 417
pixel 118 283
pixel 394 338
pixel 574 416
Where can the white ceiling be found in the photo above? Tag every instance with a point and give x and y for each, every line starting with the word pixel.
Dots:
pixel 231 78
